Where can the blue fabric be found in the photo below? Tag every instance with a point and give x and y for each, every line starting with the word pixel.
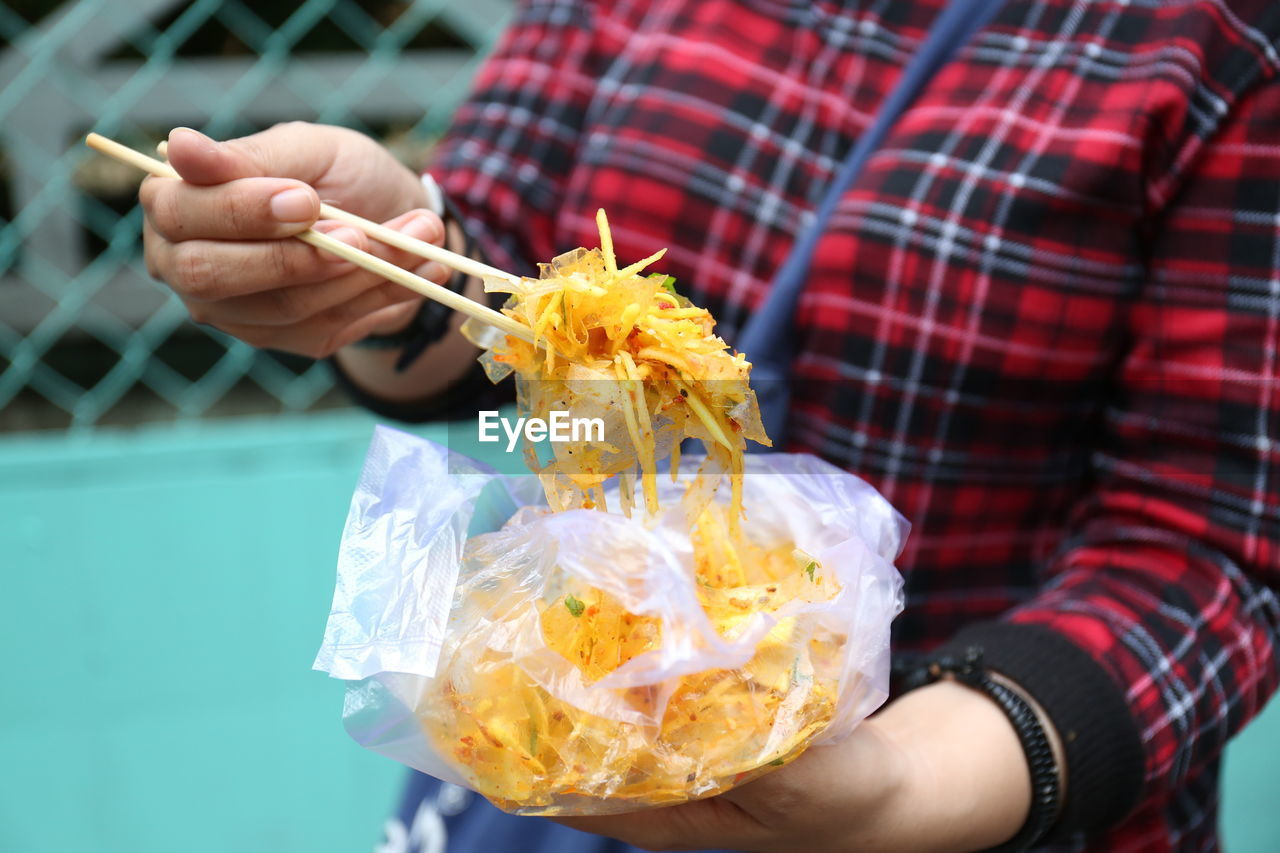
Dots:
pixel 434 817
pixel 766 336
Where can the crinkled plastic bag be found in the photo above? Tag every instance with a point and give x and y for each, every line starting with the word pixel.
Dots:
pixel 568 663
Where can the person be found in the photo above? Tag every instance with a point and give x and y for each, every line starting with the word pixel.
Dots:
pixel 1043 320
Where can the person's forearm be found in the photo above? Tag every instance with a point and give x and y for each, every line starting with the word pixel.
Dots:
pixel 439 366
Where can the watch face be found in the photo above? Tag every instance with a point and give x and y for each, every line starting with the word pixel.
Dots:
pixel 435 196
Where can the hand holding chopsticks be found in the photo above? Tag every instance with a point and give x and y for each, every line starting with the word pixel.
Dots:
pixel 367 261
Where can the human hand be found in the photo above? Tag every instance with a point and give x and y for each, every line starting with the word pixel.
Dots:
pixel 940 770
pixel 218 236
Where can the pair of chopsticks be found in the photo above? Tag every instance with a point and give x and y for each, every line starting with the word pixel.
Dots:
pixel 372 263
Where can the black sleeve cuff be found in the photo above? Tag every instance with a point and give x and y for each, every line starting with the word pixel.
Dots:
pixel 1100 738
pixel 463 399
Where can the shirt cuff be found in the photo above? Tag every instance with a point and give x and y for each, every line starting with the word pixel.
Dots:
pixel 1099 736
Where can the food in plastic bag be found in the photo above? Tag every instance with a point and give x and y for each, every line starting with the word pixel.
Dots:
pixel 565 658
pixel 586 662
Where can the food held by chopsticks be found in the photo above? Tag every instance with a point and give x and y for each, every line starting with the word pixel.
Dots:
pixel 624 344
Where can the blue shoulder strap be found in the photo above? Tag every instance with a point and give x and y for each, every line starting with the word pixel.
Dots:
pixel 766 336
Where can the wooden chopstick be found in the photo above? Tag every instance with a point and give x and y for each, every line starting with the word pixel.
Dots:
pixel 372 263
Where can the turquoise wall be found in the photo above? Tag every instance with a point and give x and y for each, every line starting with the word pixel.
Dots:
pixel 164 593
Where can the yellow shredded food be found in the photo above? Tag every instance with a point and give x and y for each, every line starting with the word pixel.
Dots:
pixel 622 345
pixel 528 750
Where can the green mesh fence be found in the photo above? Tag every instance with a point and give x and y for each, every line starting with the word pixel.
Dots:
pixel 86 338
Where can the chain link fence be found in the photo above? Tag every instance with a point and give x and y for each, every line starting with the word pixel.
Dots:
pixel 86 338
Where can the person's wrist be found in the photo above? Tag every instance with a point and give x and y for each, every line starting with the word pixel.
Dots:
pixel 967 783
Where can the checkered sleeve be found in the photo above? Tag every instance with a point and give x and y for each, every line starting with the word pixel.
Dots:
pixel 510 149
pixel 1169 581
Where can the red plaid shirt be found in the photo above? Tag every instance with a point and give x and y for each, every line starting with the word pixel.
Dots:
pixel 1044 321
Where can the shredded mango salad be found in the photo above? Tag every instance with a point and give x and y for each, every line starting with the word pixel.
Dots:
pixel 625 346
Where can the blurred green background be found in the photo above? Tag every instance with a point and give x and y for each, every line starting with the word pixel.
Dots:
pixel 165 593
pixel 171 500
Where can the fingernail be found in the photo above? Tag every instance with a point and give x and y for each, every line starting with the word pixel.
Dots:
pixel 295 205
pixel 421 228
pixel 433 271
pixel 205 140
pixel 350 236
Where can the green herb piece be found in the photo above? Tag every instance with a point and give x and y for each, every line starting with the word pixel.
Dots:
pixel 809 569
pixel 666 282
pixel 777 762
pixel 575 606
pixel 798 677
pixel 533 740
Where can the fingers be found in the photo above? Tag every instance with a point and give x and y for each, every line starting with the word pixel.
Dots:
pixel 218 237
pixel 223 194
pixel 240 209
pixel 292 150
pixel 214 270
pixel 287 295
pixel 324 333
pixel 285 306
pixel 419 224
pixel 217 270
pixel 383 322
pixel 201 160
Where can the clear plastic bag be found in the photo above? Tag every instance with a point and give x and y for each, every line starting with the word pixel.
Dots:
pixel 571 663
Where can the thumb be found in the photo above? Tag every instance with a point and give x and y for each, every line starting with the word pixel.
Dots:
pixel 201 160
